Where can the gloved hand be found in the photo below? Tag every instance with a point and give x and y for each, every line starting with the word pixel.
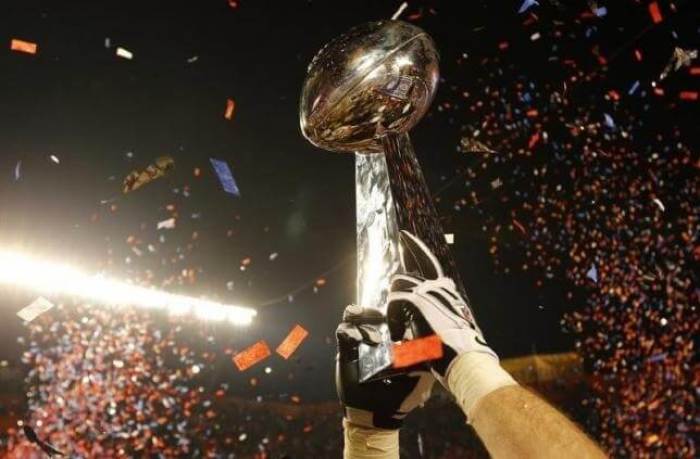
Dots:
pixel 379 403
pixel 435 300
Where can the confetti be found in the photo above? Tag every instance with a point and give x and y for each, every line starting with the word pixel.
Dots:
pixel 450 238
pixel 18 170
pixel 137 178
pixel 125 53
pixel 251 355
pixel 655 12
pixel 398 12
pixel 527 4
pixel 23 46
pixel 415 351
pixel 592 273
pixel 225 176
pixel 230 107
pixel 292 341
pixel 35 309
pixel 55 159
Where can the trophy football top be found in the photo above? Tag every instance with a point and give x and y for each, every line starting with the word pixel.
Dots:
pixel 378 78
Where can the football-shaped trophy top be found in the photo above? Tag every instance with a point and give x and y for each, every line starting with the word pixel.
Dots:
pixel 376 79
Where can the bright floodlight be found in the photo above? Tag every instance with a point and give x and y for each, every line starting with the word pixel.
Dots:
pixel 50 278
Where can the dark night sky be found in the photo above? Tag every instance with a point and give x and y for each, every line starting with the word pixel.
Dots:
pixel 77 100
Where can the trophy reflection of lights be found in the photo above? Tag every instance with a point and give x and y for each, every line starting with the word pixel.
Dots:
pixel 363 92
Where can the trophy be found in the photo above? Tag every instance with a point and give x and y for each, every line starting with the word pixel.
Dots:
pixel 363 92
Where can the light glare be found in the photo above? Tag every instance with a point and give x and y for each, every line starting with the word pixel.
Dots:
pixel 52 279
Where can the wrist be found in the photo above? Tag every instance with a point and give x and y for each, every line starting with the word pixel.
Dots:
pixel 364 442
pixel 473 375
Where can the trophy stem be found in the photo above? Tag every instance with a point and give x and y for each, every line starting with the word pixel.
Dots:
pixel 415 211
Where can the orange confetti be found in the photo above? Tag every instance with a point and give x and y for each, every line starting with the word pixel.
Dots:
pixel 638 55
pixel 533 140
pixel 688 95
pixel 292 341
pixel 230 107
pixel 532 113
pixel 197 172
pixel 23 46
pixel 416 351
pixel 233 3
pixel 519 226
pixel 252 355
pixel 655 12
pixel 320 282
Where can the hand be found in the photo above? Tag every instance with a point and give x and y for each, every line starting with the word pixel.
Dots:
pixel 437 302
pixel 379 403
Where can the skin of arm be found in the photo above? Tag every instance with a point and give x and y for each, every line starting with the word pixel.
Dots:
pixel 515 423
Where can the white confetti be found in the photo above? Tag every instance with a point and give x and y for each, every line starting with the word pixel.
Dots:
pixel 396 15
pixel 35 309
pixel 125 53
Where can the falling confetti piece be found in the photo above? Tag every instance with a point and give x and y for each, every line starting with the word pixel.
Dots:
pixel 292 341
pixel 527 4
pixel 55 159
pixel 592 273
pixel 655 12
pixel 166 224
pixel 419 350
pixel 125 53
pixel 35 309
pixel 398 12
pixel 225 176
pixel 450 238
pixel 251 355
pixel 136 179
pixel 23 46
pixel 18 170
pixel 272 256
pixel 688 95
pixel 658 202
pixel 230 107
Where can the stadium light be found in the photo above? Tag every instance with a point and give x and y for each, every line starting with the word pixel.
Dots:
pixel 53 279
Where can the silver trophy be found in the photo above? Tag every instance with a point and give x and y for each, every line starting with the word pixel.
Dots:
pixel 363 92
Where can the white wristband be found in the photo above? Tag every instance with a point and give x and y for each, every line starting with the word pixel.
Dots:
pixel 369 443
pixel 473 375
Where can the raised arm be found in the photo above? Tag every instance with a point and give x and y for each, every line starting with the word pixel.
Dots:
pixel 510 420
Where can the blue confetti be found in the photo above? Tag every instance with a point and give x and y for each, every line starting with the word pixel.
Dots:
pixel 225 176
pixel 609 121
pixel 600 12
pixel 527 4
pixel 592 274
pixel 657 357
pixel 634 87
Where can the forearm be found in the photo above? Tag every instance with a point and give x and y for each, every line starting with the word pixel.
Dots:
pixel 514 422
pixel 510 420
pixel 369 443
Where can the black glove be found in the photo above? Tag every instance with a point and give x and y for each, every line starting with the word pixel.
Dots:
pixel 378 403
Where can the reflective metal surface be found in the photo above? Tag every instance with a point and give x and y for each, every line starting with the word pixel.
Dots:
pixel 377 233
pixel 378 78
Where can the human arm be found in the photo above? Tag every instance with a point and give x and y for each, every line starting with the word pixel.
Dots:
pixel 373 411
pixel 509 419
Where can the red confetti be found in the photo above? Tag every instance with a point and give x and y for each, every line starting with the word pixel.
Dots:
pixel 230 107
pixel 519 226
pixel 252 355
pixel 233 3
pixel 23 46
pixel 532 113
pixel 416 351
pixel 638 55
pixel 688 95
pixel 655 12
pixel 695 71
pixel 292 341
pixel 533 140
